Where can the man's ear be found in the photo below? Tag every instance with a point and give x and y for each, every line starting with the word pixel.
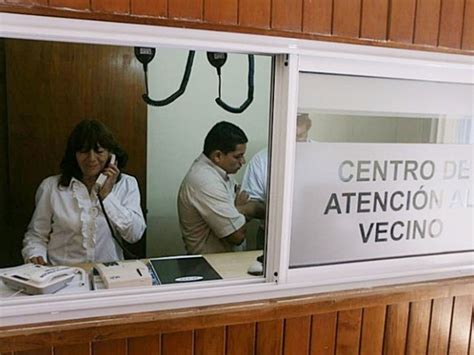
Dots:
pixel 216 156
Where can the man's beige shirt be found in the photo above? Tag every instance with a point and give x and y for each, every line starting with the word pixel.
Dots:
pixel 206 208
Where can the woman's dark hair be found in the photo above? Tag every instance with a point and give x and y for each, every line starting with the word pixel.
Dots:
pixel 224 136
pixel 88 135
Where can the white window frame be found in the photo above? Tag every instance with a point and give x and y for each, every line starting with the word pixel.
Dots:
pixel 293 55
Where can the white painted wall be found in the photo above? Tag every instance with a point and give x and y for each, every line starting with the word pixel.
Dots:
pixel 176 132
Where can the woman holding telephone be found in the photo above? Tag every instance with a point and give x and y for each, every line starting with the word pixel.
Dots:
pixel 82 214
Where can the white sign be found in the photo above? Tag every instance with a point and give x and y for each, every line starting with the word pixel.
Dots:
pixel 361 202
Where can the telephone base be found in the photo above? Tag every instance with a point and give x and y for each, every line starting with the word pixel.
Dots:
pixel 34 290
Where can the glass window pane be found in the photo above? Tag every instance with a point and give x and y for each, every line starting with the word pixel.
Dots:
pixel 388 180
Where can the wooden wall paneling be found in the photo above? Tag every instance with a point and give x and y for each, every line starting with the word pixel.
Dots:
pixel 441 314
pixel 418 327
pixel 348 331
pixel 240 339
pixel 451 23
pixel 374 19
pixel 111 6
pixel 461 325
pixel 110 347
pixel 210 341
pixel 297 335
pixel 255 13
pixel 269 337
pixel 221 12
pixel 287 15
pixel 43 351
pixel 427 22
pixel 76 349
pixel 471 339
pixel 158 8
pixel 401 20
pixel 177 343
pixel 150 344
pixel 71 4
pixel 6 257
pixel 28 2
pixel 346 18
pixel 373 325
pixel 468 27
pixel 323 333
pixel 396 329
pixel 185 9
pixel 317 16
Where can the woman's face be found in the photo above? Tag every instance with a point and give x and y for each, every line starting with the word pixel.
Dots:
pixel 92 162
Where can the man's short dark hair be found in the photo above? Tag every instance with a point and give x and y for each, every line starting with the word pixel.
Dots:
pixel 224 136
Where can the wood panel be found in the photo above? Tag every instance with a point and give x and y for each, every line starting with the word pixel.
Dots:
pixel 451 23
pixel 71 4
pixel 108 84
pixel 348 331
pixel 405 23
pixel 6 256
pixel 255 13
pixel 317 16
pixel 221 12
pixel 323 333
pixel 110 347
pixel 157 8
pixel 150 344
pixel 28 2
pixel 427 22
pixel 297 335
pixel 374 19
pixel 238 319
pixel 401 21
pixel 346 18
pixel 112 6
pixel 241 339
pixel 287 15
pixel 185 9
pixel 177 343
pixel 461 325
pixel 468 28
pixel 418 327
pixel 76 349
pixel 209 341
pixel 269 337
pixel 44 351
pixel 439 327
pixel 373 325
pixel 396 329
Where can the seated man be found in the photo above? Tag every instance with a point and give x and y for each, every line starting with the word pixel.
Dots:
pixel 212 211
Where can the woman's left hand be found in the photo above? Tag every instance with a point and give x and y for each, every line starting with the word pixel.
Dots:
pixel 112 172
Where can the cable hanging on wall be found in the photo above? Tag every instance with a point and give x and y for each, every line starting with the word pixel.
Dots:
pixel 217 60
pixel 145 55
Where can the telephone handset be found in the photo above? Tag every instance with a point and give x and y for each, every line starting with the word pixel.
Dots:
pixel 102 177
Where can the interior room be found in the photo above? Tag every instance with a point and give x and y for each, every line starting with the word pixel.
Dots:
pixel 359 115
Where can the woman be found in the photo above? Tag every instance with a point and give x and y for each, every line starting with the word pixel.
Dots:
pixel 69 225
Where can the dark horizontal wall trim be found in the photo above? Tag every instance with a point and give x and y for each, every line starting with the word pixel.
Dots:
pixel 197 24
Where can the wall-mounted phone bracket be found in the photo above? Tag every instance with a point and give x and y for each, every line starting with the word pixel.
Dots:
pixel 145 55
pixel 217 60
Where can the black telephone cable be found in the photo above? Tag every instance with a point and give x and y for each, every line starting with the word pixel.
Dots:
pixel 127 252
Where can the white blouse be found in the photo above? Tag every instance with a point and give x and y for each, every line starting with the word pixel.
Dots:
pixel 69 227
